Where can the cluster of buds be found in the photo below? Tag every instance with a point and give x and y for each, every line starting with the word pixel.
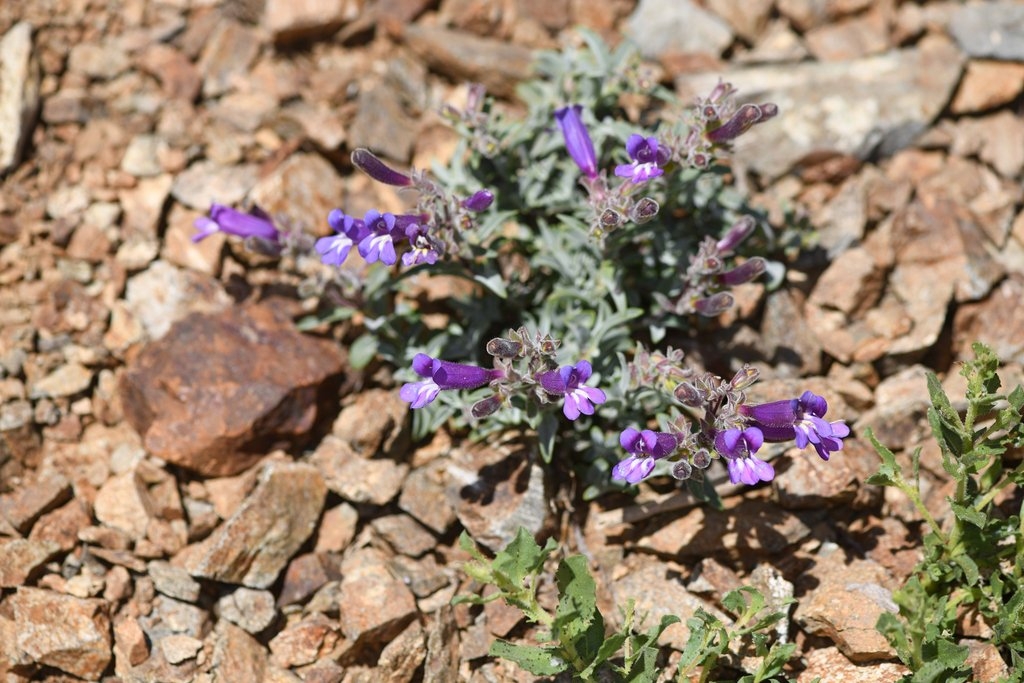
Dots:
pixel 716 122
pixel 730 428
pixel 709 275
pixel 523 366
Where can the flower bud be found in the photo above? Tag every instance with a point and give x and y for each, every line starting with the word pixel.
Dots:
pixel 577 139
pixel 745 272
pixel 689 395
pixel 682 470
pixel 364 160
pixel 504 348
pixel 716 304
pixel 739 231
pixel 745 377
pixel 478 201
pixel 485 407
pixel 739 123
pixel 701 459
pixel 610 219
pixel 644 210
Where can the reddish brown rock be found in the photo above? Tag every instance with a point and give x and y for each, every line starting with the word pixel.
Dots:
pixel 254 545
pixel 62 525
pixel 175 71
pixel 237 656
pixel 845 604
pixel 259 388
pixel 123 503
pixel 305 641
pixel 30 500
pixel 658 591
pixel 374 422
pixel 227 54
pixel 78 643
pixel 402 656
pixel 20 559
pixel 375 606
pixel 376 480
pixel 130 647
pixel 404 535
pixel 304 576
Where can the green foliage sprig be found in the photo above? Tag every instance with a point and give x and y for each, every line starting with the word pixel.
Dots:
pixel 574 638
pixel 973 562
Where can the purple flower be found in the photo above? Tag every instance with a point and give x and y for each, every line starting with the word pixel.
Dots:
pixel 222 218
pixel 379 243
pixel 334 249
pixel 442 374
pixel 799 419
pixel 478 201
pixel 423 250
pixel 647 159
pixel 568 381
pixel 645 448
pixel 366 161
pixel 577 140
pixel 738 448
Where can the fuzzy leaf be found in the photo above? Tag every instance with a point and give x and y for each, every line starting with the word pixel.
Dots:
pixel 541 661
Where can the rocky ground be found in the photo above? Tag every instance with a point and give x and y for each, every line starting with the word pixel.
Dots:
pixel 185 497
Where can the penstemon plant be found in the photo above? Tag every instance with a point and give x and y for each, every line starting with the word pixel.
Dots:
pixel 576 272
pixel 973 561
pixel 589 240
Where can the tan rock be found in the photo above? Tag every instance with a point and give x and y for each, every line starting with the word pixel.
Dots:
pixel 237 656
pixel 375 606
pixel 829 665
pixel 78 643
pixel 123 503
pixel 254 545
pixel 130 647
pixel 293 20
pixel 987 84
pixel 19 94
pixel 23 506
pixel 358 480
pixel 20 559
pixel 304 642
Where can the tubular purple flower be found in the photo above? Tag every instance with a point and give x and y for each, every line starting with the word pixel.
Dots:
pixel 224 219
pixel 442 374
pixel 740 122
pixel 368 163
pixel 745 272
pixel 480 200
pixel 738 448
pixel 577 139
pixel 568 381
pixel 647 159
pixel 716 304
pixel 739 231
pixel 799 419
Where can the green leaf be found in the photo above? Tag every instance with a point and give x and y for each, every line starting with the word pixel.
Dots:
pixel 494 283
pixel 522 557
pixel 547 430
pixel 969 514
pixel 578 603
pixel 362 351
pixel 970 568
pixel 541 661
pixel 889 471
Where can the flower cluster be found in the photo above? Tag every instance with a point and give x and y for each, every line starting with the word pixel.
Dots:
pixel 731 428
pixel 523 367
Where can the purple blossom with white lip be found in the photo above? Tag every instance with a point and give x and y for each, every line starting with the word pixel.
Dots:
pixel 334 249
pixel 738 447
pixel 379 243
pixel 577 139
pixel 647 159
pixel 568 381
pixel 423 249
pixel 442 374
pixel 224 219
pixel 645 448
pixel 799 419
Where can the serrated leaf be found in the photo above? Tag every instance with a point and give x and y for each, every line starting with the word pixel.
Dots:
pixel 577 604
pixel 969 514
pixel 541 661
pixel 522 557
pixel 889 471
